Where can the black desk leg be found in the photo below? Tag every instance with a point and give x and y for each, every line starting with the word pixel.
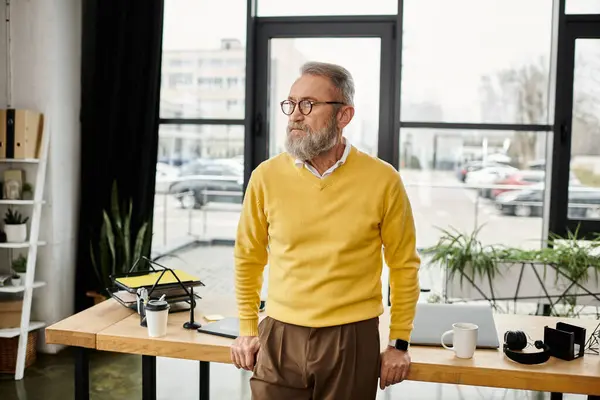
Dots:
pixel 149 377
pixel 592 397
pixel 556 396
pixel 204 380
pixel 82 373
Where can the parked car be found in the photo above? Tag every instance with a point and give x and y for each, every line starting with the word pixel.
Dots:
pixel 584 202
pixel 488 176
pixel 519 178
pixel 165 174
pixel 214 180
pixel 525 178
pixel 463 171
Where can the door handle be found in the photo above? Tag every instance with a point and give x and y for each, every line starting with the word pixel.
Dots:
pixel 258 124
pixel 564 132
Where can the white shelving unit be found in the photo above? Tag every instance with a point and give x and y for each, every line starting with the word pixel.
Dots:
pixel 31 245
pixel 14 332
pixel 19 289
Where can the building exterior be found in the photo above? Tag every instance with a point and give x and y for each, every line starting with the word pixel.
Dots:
pixel 203 84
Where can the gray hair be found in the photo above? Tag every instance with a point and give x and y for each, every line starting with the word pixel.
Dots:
pixel 339 76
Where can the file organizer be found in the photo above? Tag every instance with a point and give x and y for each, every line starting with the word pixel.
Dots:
pixel 176 285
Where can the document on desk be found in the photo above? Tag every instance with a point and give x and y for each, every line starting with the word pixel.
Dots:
pixel 151 278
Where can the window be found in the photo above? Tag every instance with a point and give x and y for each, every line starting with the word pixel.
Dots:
pixel 582 7
pixel 199 182
pixel 271 8
pixel 474 61
pixel 584 192
pixel 287 56
pixel 468 179
pixel 180 79
pixel 200 40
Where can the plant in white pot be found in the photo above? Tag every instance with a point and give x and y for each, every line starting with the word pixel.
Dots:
pixel 15 279
pixel 19 266
pixel 15 226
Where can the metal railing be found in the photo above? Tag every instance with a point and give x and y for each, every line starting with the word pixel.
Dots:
pixel 194 208
pixel 197 208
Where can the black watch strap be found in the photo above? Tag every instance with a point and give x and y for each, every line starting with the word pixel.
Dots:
pixel 401 344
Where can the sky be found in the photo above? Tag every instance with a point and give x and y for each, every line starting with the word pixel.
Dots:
pixel 449 45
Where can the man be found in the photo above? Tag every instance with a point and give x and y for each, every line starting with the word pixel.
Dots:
pixel 320 214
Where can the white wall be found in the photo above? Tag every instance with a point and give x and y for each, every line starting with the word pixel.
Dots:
pixel 46 37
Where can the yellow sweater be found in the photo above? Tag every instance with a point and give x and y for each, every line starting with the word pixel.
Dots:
pixel 322 239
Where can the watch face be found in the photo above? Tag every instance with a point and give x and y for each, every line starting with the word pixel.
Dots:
pixel 401 344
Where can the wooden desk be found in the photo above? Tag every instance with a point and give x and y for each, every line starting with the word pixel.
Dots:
pixel 429 364
pixel 79 331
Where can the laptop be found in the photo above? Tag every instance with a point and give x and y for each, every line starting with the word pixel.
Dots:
pixel 228 327
pixel 433 319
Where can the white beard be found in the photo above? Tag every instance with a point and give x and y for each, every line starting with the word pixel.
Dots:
pixel 311 144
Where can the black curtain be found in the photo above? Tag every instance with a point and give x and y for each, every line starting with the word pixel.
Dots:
pixel 120 89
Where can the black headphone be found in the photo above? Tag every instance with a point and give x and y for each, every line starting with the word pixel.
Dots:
pixel 517 340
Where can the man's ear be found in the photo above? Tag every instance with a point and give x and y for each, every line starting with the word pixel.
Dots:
pixel 345 115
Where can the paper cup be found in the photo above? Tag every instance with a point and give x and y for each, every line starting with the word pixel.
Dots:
pixel 157 313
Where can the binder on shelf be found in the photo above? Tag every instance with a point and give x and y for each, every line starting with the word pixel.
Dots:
pixel 21 133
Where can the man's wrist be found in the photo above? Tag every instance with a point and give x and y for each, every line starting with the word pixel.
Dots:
pixel 399 344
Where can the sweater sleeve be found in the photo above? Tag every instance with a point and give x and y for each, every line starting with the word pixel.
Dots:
pixel 250 253
pixel 398 234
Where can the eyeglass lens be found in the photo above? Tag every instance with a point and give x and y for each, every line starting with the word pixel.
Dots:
pixel 288 106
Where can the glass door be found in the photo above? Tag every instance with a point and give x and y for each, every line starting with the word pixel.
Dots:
pixel 365 49
pixel 576 181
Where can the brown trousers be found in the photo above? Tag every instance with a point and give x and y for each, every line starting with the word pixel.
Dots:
pixel 332 363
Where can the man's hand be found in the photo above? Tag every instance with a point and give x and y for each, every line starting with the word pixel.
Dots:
pixel 394 367
pixel 243 352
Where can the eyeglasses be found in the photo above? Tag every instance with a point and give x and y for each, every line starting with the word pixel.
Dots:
pixel 306 106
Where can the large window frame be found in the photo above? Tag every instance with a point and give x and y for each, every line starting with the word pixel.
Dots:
pixel 572 27
pixel 326 27
pixel 389 140
pixel 559 109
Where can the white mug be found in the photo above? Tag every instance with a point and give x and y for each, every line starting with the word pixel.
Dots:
pixel 464 339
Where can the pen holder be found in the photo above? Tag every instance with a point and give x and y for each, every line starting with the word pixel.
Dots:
pixel 142 313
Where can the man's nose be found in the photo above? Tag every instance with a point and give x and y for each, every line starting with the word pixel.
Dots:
pixel 296 115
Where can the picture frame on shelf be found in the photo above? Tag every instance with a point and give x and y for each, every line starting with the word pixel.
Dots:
pixel 13 184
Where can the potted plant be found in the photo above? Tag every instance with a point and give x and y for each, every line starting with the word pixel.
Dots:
pixel 15 226
pixel 493 272
pixel 15 279
pixel 117 246
pixel 27 191
pixel 19 266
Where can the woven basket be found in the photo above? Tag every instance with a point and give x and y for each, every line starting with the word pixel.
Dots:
pixel 8 353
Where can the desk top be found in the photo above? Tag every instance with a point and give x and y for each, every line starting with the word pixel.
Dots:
pixel 80 329
pixel 429 364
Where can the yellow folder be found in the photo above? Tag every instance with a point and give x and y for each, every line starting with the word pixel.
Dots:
pixel 150 279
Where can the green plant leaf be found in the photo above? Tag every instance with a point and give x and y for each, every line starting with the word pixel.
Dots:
pixel 139 241
pixel 127 238
pixel 110 239
pixel 114 251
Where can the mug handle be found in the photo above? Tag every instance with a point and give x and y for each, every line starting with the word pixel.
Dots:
pixel 442 340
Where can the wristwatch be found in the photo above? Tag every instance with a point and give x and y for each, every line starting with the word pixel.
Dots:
pixel 399 344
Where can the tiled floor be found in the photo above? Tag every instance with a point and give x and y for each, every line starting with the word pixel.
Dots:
pixel 117 376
